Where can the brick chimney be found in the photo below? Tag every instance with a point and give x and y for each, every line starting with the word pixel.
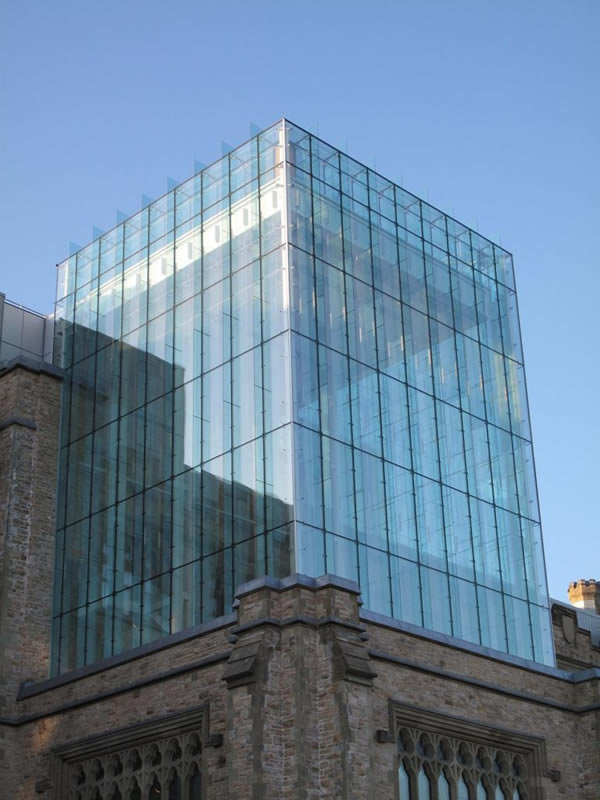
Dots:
pixel 585 594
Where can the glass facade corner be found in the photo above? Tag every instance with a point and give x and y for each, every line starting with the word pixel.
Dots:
pixel 290 364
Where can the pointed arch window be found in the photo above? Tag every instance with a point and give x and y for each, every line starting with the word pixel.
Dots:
pixel 434 764
pixel 165 761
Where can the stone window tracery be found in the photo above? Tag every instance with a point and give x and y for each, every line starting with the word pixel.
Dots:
pixel 159 760
pixel 168 769
pixel 440 757
pixel 468 770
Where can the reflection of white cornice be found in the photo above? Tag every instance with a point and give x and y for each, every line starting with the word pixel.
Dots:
pixel 240 217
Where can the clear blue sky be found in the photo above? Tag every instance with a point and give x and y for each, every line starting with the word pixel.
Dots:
pixel 490 110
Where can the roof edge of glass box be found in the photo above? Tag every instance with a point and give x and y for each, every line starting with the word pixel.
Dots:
pixel 280 121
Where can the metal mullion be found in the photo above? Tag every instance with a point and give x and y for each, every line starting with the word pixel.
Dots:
pixel 410 434
pixel 462 434
pixel 262 435
pixel 118 449
pixel 349 374
pixel 489 454
pixel 171 480
pixel 201 380
pixel 378 377
pixel 514 463
pixel 318 364
pixel 92 451
pixel 435 416
pixel 231 420
pixel 144 491
pixel 64 453
pixel 285 213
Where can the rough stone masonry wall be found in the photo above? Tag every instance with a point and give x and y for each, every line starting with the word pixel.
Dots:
pixel 298 688
pixel 29 418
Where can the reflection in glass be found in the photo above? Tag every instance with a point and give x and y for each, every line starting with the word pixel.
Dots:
pixel 288 363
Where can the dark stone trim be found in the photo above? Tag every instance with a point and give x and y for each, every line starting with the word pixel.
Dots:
pixel 208 661
pixel 139 732
pixel 469 647
pixel 27 690
pixel 31 365
pixel 286 622
pixel 242 667
pixel 491 687
pixel 292 581
pixel 24 423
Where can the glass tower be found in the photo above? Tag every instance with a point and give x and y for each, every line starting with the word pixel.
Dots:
pixel 290 364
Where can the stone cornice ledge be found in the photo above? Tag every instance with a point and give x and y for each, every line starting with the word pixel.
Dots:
pixel 31 365
pixel 578 676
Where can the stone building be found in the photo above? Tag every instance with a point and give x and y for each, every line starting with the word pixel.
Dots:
pixel 268 516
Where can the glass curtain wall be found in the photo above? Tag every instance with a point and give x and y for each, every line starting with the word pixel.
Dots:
pixel 175 464
pixel 414 470
pixel 289 364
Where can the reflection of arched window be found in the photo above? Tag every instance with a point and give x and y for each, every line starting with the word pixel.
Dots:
pixel 404 782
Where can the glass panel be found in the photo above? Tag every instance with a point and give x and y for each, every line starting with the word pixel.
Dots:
pixel 308 479
pixel 276 371
pixel 364 390
pixel 361 322
pixel 305 382
pixel 395 421
pixel 331 308
pixel 390 337
pixel 245 309
pixel 491 617
pixel 374 580
pixel 401 511
pixel 310 551
pixel 302 290
pixel 338 488
pixel 436 600
pixel 370 500
pixel 275 295
pixel 418 350
pixel 342 557
pixel 334 394
pixel 463 792
pixel 406 590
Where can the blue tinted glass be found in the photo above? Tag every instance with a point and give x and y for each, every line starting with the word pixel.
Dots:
pixel 341 391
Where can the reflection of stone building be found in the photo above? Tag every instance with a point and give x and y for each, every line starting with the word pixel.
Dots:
pixel 285 378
